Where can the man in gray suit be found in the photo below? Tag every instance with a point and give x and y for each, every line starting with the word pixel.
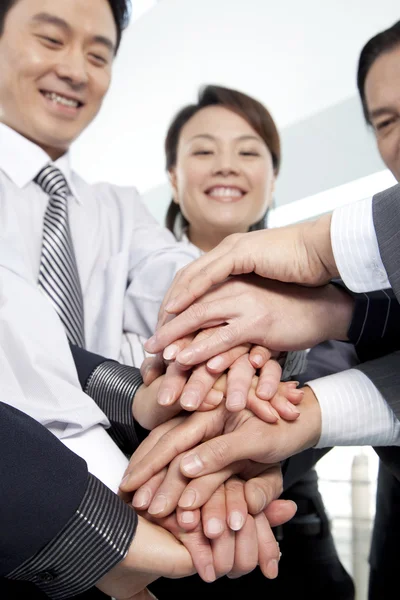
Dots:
pixel 378 82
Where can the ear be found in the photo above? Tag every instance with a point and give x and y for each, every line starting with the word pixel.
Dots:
pixel 174 184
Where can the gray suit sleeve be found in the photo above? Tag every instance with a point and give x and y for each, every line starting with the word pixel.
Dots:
pixel 386 216
pixel 384 373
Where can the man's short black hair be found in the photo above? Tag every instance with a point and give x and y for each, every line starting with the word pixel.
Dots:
pixel 120 10
pixel 385 41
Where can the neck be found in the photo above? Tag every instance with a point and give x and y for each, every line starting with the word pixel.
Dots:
pixel 206 241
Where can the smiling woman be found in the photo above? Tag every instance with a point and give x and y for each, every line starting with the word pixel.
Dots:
pixel 55 59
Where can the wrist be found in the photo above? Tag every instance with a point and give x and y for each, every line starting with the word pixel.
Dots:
pixel 310 414
pixel 338 310
pixel 317 241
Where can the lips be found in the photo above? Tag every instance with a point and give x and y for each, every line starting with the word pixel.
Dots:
pixel 63 100
pixel 221 192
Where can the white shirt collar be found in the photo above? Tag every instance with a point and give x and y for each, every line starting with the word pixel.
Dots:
pixel 21 160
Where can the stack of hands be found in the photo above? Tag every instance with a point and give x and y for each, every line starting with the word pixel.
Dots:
pixel 221 419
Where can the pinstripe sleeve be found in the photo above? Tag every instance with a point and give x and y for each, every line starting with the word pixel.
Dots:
pixel 355 247
pixel 113 387
pixel 354 412
pixel 95 539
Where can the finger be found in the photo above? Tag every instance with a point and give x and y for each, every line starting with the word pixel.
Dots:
pixel 196 544
pixel 259 356
pixel 188 433
pixel 152 368
pixel 262 408
pixel 169 491
pixel 200 277
pixel 198 491
pixel 268 548
pixel 219 364
pixel 240 377
pixel 198 316
pixel 197 387
pixel 292 392
pixel 188 519
pixel 172 385
pixel 144 495
pixel 260 491
pixel 171 351
pixel 212 400
pixel 268 380
pixel 279 512
pixel 246 550
pixel 223 549
pixel 213 514
pixel 145 447
pixel 284 407
pixel 236 507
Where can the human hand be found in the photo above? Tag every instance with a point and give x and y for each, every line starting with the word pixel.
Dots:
pixel 276 315
pixel 153 553
pixel 300 253
pixel 229 437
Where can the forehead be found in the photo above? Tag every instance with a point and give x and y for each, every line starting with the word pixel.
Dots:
pixel 90 17
pixel 219 122
pixel 382 84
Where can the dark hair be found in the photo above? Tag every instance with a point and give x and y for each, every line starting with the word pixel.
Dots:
pixel 246 107
pixel 383 42
pixel 120 10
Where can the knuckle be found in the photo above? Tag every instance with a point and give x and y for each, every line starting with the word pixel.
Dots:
pixel 219 450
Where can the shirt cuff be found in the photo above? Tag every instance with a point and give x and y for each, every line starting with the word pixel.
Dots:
pixel 113 386
pixel 354 412
pixel 355 247
pixel 96 538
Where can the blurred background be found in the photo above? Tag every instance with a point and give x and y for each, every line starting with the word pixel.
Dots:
pixel 300 60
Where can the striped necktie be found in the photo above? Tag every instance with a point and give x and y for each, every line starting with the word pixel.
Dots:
pixel 58 273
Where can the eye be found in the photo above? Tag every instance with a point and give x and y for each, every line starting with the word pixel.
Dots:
pixel 99 60
pixel 249 153
pixel 385 123
pixel 202 152
pixel 50 41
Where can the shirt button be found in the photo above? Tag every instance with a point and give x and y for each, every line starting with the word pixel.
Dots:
pixel 45 576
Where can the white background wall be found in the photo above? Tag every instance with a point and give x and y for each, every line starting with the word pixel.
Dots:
pixel 299 58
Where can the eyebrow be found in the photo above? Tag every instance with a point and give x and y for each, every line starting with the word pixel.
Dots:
pixel 241 138
pixel 44 17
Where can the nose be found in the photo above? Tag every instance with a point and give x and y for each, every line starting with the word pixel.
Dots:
pixel 226 164
pixel 72 68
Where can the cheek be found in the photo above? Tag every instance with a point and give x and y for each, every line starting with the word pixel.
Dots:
pixel 389 149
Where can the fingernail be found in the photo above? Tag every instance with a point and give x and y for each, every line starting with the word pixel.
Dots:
pixel 214 526
pixel 272 569
pixel 165 397
pixel 188 499
pixel 187 516
pixel 236 520
pixel 209 574
pixel 170 305
pixel 190 400
pixel 185 356
pixel 215 397
pixel 158 505
pixel 292 408
pixel 293 384
pixel 170 352
pixel 192 464
pixel 151 344
pixel 216 363
pixel 236 400
pixel 141 498
pixel 266 391
pixel 260 500
pixel 257 360
pixel 125 480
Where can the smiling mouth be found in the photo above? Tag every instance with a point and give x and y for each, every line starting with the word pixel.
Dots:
pixel 224 192
pixel 63 100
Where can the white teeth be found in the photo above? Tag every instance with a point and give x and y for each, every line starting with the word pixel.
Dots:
pixel 225 192
pixel 61 100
